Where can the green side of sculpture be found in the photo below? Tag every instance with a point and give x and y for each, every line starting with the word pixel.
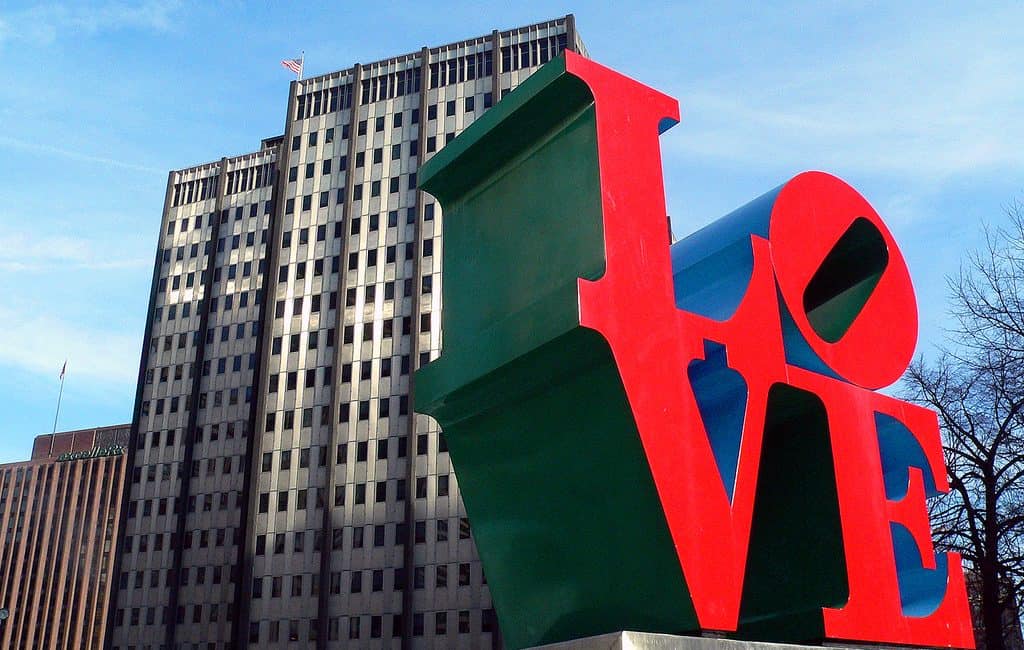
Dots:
pixel 549 460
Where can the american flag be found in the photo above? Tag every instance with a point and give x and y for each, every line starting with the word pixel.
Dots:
pixel 295 65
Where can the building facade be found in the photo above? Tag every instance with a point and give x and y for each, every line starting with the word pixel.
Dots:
pixel 58 523
pixel 281 491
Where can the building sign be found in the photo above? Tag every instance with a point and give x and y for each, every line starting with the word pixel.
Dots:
pixel 677 438
pixel 98 452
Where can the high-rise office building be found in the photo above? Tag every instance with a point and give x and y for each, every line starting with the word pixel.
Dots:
pixel 58 522
pixel 281 491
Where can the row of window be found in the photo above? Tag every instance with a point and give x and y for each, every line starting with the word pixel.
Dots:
pixel 135 615
pixel 300 585
pixel 372 189
pixel 216 399
pixel 376 625
pixel 290 630
pixel 531 53
pixel 213 575
pixel 328 100
pixel 193 539
pixel 181 225
pixel 250 178
pixel 210 432
pixel 190 277
pixel 344 415
pixel 391 85
pixel 442 73
pixel 463 68
pixel 197 190
pixel 315 302
pixel 358 538
pixel 224 501
pixel 216 304
pixel 305 496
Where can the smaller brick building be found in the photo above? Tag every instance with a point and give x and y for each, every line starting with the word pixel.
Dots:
pixel 58 521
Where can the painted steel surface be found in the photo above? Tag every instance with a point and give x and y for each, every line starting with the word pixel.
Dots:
pixel 677 438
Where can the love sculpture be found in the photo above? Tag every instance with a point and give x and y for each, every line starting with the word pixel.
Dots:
pixel 679 438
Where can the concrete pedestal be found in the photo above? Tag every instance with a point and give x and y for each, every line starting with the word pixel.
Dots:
pixel 648 641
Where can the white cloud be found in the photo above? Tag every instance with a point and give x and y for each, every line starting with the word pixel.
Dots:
pixel 14 143
pixel 941 101
pixel 21 252
pixel 46 24
pixel 40 343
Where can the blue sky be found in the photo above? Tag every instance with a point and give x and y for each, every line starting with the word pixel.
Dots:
pixel 918 105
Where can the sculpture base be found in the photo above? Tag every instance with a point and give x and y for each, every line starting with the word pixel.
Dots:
pixel 649 641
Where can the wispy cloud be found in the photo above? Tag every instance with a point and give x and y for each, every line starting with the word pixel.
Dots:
pixel 40 343
pixel 922 105
pixel 47 24
pixel 21 252
pixel 81 156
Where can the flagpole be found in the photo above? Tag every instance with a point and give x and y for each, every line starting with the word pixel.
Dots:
pixel 59 396
pixel 302 63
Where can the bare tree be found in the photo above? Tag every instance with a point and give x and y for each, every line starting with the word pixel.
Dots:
pixel 976 385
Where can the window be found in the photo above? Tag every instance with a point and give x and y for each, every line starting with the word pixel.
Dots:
pixel 470 104
pixel 432 112
pixel 353 624
pixel 449 108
